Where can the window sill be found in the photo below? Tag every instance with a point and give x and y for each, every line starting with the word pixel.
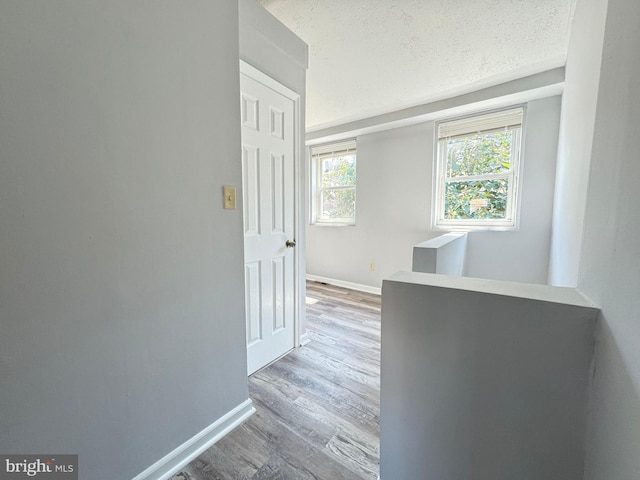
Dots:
pixel 475 228
pixel 332 224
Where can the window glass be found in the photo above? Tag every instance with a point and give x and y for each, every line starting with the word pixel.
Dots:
pixel 482 199
pixel 477 170
pixel 339 171
pixel 337 204
pixel 334 183
pixel 479 154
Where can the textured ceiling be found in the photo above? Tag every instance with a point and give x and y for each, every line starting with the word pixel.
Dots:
pixel 374 56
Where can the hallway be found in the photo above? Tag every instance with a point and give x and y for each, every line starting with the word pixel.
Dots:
pixel 317 408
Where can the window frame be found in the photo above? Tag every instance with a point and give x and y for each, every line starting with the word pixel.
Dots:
pixel 317 154
pixel 512 216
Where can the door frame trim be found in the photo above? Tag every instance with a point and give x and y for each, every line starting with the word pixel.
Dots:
pixel 299 277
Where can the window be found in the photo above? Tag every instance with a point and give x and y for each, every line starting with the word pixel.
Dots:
pixel 477 170
pixel 334 183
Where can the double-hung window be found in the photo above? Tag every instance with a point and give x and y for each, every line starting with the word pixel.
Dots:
pixel 478 160
pixel 334 183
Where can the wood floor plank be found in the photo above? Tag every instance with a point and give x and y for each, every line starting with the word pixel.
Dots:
pixel 355 452
pixel 317 408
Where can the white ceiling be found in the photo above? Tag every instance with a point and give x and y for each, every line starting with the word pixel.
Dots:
pixel 369 57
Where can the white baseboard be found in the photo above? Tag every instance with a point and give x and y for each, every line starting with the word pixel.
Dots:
pixel 185 453
pixel 341 283
pixel 304 339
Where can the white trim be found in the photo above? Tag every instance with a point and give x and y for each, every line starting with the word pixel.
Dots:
pixel 341 283
pixel 317 155
pixel 462 127
pixel 171 463
pixel 299 180
pixel 267 81
pixel 300 222
pixel 304 339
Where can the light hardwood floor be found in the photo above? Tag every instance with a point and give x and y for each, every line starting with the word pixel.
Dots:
pixel 317 408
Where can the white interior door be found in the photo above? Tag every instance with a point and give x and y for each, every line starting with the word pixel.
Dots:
pixel 268 194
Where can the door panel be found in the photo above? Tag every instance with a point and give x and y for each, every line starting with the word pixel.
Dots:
pixel 254 305
pixel 268 202
pixel 251 190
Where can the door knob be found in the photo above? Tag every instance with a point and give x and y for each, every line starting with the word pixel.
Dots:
pixel 290 244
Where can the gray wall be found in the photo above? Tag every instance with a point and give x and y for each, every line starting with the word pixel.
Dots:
pixel 576 132
pixel 393 201
pixel 272 48
pixel 610 261
pixel 394 209
pixel 121 281
pixel 483 380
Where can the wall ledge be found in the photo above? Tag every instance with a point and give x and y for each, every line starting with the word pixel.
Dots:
pixel 483 377
pixel 544 293
pixel 444 254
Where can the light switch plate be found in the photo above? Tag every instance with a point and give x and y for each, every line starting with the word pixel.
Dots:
pixel 229 194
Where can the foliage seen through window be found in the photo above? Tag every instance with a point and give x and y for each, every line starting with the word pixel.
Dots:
pixel 478 155
pixel 335 182
pixel 478 160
